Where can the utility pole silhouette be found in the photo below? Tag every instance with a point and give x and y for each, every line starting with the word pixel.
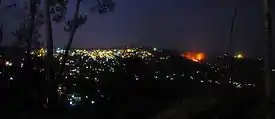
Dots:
pixel 267 58
pixel 229 49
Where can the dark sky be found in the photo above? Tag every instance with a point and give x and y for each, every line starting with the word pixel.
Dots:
pixel 197 25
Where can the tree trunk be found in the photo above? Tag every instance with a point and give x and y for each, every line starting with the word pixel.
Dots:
pixel 1 26
pixel 232 32
pixel 268 56
pixel 49 59
pixel 32 5
pixel 72 33
pixel 230 55
pixel 1 32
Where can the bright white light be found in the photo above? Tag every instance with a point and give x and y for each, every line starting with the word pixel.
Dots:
pixel 8 63
pixel 11 78
pixel 92 102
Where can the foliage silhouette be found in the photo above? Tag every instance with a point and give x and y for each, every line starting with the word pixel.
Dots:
pixel 71 26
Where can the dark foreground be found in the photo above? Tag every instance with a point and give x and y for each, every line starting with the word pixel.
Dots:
pixel 139 89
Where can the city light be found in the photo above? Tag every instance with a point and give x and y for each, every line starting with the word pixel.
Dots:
pixel 239 56
pixel 8 63
pixel 94 66
pixel 99 53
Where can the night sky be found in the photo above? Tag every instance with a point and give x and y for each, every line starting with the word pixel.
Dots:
pixel 193 25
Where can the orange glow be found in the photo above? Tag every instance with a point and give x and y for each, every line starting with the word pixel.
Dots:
pixel 196 57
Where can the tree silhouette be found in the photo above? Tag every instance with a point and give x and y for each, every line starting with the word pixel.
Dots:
pixel 21 37
pixel 32 12
pixel 27 34
pixel 101 6
pixel 1 33
pixel 56 8
pixel 1 27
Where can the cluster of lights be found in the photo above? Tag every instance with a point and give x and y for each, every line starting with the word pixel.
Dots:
pixel 8 63
pixel 173 77
pixel 239 85
pixel 100 53
pixel 111 54
pixel 83 58
pixel 39 52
